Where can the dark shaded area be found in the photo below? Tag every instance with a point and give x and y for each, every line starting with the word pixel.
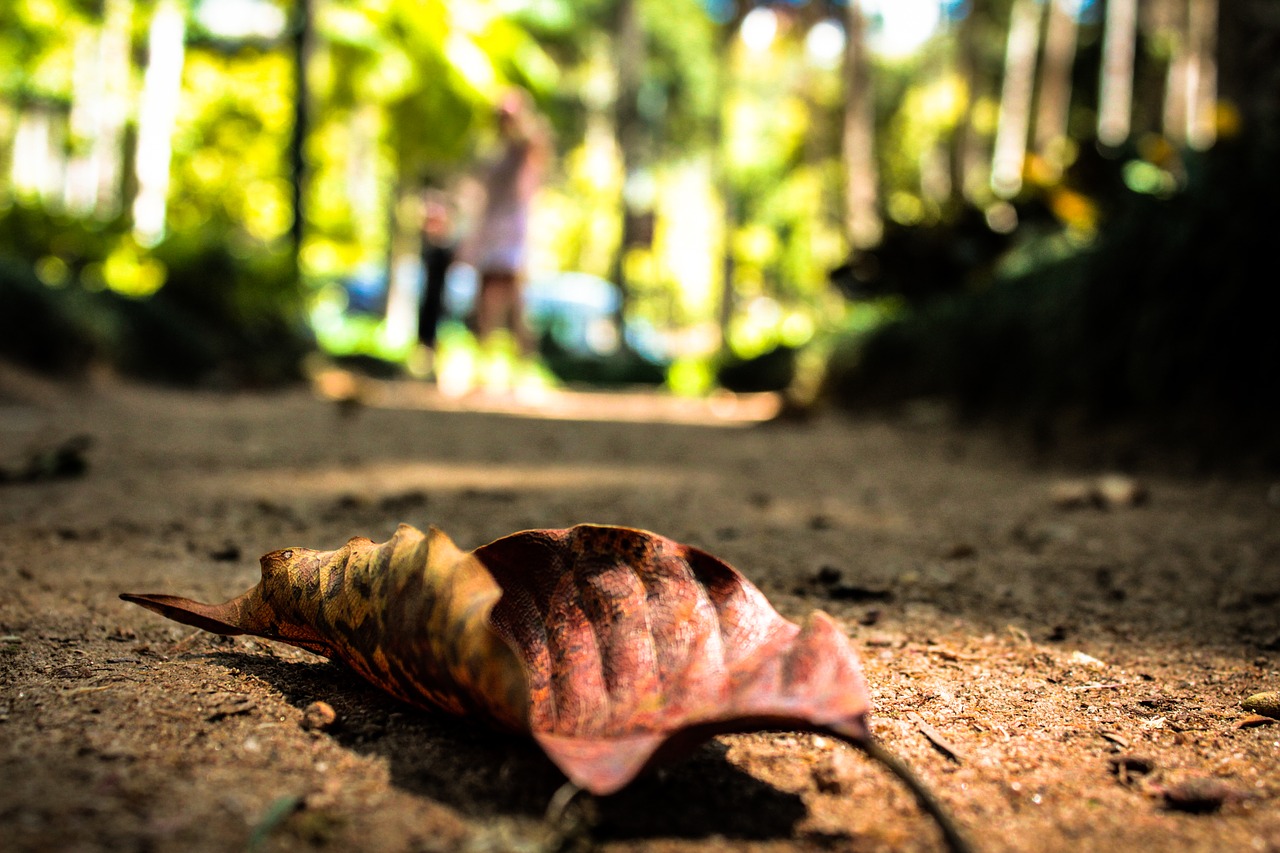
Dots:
pixel 920 264
pixel 223 317
pixel 1167 323
pixel 624 366
pixel 1165 326
pixel 508 775
pixel 65 460
pixel 773 370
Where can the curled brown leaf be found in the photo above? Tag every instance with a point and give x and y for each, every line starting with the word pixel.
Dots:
pixel 614 648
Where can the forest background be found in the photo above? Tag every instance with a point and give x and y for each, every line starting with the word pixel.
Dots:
pixel 1057 210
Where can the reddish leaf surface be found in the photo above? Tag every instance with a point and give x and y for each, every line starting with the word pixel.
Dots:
pixel 636 646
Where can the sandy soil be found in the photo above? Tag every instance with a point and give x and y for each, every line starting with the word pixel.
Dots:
pixel 1084 665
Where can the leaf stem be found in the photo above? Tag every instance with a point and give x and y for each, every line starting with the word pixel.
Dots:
pixel 930 804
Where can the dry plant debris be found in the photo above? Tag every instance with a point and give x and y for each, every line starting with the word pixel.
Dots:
pixel 616 649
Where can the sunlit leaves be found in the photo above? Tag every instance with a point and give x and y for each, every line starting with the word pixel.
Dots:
pixel 37 46
pixel 764 136
pixel 130 272
pixel 388 77
pixel 228 142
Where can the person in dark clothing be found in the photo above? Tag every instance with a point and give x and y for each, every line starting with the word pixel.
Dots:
pixel 438 248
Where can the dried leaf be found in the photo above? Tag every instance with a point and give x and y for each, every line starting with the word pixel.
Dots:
pixel 614 648
pixel 1200 795
pixel 1252 721
pixel 936 738
pixel 410 615
pixel 222 705
pixel 632 640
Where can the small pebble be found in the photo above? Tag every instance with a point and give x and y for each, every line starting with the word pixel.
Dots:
pixel 319 717
pixel 1113 491
pixel 831 775
pixel 1266 704
pixel 226 552
pixel 828 576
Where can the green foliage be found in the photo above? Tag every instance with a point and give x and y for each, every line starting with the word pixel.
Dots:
pixel 680 93
pixel 402 91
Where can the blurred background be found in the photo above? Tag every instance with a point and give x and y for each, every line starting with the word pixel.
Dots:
pixel 1061 210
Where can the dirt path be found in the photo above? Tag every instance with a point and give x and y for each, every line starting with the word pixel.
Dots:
pixel 1084 665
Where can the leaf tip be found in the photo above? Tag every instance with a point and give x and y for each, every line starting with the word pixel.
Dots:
pixel 205 616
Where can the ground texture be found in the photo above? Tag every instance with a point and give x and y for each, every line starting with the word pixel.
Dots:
pixel 1061 657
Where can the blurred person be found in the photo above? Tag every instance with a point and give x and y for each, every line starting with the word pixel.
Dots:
pixel 498 247
pixel 438 249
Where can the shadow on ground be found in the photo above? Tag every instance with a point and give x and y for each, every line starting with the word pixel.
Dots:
pixel 484 773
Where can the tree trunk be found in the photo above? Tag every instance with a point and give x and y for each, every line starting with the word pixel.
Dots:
pixel 1054 107
pixel 301 127
pixel 862 195
pixel 157 114
pixel 962 144
pixel 101 96
pixel 629 50
pixel 1115 96
pixel 1202 83
pixel 1016 94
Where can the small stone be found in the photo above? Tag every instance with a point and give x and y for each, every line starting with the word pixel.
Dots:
pixel 319 717
pixel 828 576
pixel 831 775
pixel 1266 704
pixel 226 552
pixel 1116 491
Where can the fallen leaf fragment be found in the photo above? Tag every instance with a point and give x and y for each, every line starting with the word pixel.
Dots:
pixel 221 705
pixel 1126 767
pixel 615 649
pixel 1115 738
pixel 1254 720
pixel 936 738
pixel 1083 659
pixel 1199 795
